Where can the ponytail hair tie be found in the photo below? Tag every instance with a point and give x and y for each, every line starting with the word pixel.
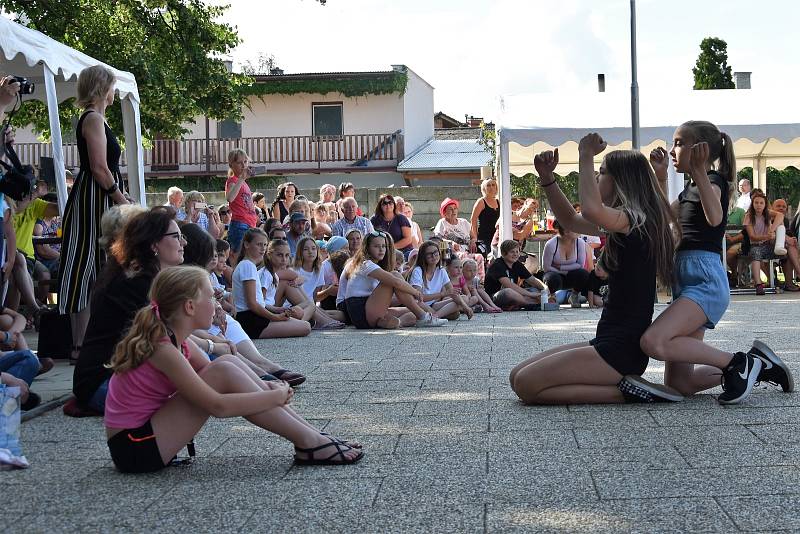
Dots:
pixel 154 307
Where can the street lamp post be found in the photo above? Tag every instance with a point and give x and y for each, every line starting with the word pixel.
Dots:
pixel 634 83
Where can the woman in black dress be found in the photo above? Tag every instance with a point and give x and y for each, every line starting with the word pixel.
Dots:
pixel 97 187
pixel 629 205
pixel 485 213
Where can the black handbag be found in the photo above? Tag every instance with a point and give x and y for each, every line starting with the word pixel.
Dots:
pixel 18 181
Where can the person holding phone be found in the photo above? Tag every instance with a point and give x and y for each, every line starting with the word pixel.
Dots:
pixel 197 211
pixel 240 200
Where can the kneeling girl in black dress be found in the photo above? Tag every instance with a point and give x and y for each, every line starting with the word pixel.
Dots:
pixel 628 204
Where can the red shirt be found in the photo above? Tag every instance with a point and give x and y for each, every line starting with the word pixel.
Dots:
pixel 242 208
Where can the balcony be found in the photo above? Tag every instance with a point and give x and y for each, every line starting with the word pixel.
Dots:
pixel 281 155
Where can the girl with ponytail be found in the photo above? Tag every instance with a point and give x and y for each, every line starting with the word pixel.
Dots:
pixel 700 292
pixel 164 388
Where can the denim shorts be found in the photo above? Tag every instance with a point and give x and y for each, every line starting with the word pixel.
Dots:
pixel 236 230
pixel 701 278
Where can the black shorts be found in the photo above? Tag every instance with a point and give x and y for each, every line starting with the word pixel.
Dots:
pixel 342 307
pixel 252 324
pixel 135 450
pixel 357 310
pixel 328 303
pixel 618 344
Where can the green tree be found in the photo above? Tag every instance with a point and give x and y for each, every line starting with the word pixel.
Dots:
pixel 711 71
pixel 527 186
pixel 173 47
pixel 783 184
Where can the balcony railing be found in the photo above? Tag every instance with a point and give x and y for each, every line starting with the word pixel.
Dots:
pixel 211 154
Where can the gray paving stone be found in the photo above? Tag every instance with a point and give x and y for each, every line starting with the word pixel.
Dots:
pixel 763 512
pixel 777 434
pixel 663 515
pixel 655 437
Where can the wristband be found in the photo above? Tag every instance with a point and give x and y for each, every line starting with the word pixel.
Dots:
pixel 113 189
pixel 210 346
pixel 547 184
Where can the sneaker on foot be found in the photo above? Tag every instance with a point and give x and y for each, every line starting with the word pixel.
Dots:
pixel 574 299
pixel 430 320
pixel 637 389
pixel 773 370
pixel 739 377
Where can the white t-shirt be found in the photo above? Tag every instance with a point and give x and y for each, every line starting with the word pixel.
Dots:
pixel 743 201
pixel 435 285
pixel 312 281
pixel 267 278
pixel 342 291
pixel 246 270
pixel 458 232
pixel 328 274
pixel 362 284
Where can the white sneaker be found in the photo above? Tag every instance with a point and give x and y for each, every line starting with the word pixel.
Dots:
pixel 430 320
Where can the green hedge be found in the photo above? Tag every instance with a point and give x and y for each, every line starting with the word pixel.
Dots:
pixel 393 82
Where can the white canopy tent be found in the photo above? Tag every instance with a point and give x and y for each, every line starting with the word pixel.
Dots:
pixel 54 68
pixel 765 127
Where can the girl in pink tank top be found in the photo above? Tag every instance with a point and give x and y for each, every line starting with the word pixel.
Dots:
pixel 164 388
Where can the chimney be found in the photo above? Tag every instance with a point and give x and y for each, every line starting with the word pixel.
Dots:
pixel 473 122
pixel 601 83
pixel 742 80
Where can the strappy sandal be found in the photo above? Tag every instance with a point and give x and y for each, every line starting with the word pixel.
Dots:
pixel 290 377
pixel 351 444
pixel 330 460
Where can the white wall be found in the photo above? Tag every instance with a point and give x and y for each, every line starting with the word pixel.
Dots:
pixel 417 112
pixel 283 115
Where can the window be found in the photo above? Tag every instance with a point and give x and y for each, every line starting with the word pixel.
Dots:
pixel 229 129
pixel 327 119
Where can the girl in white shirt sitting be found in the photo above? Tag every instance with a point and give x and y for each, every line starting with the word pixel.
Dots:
pixel 433 282
pixel 249 295
pixel 371 284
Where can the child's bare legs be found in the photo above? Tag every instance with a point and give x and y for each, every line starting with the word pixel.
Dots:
pixel 249 351
pixel 674 337
pixel 406 317
pixel 572 375
pixel 310 309
pixel 377 308
pixel 524 363
pixel 446 309
pixel 688 378
pixel 178 421
pixel 508 297
pixel 755 271
pixel 486 300
pixel 290 328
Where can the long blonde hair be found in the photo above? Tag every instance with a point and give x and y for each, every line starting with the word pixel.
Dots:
pixel 637 193
pixel 233 155
pixel 362 255
pixel 93 85
pixel 171 288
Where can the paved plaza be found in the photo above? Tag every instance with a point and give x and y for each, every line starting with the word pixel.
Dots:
pixel 449 448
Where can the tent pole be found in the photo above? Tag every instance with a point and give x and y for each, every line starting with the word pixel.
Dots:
pixel 55 138
pixel 133 150
pixel 504 191
pixel 634 83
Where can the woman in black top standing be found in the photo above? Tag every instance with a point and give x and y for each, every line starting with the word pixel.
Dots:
pixel 700 293
pixel 485 213
pixel 97 187
pixel 626 201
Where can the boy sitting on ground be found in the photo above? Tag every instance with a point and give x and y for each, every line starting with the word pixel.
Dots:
pixel 505 277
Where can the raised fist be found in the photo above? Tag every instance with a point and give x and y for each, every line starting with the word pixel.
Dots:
pixel 591 144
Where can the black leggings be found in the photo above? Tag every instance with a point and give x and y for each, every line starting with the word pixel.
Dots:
pixel 577 280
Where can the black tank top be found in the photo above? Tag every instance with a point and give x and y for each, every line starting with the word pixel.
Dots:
pixel 113 150
pixel 487 219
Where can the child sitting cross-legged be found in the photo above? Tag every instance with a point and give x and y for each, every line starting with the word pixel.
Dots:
pixel 164 388
pixel 504 276
pixel 469 272
pixel 432 281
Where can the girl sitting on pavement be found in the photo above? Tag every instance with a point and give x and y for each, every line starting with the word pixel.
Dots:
pixel 249 294
pixel 469 270
pixel 460 285
pixel 308 266
pixel 371 284
pixel 628 203
pixel 164 389
pixel 432 281
pixel 283 285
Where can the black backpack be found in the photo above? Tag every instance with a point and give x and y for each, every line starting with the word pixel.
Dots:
pixel 19 180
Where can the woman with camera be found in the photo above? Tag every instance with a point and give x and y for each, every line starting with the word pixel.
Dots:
pixel 97 187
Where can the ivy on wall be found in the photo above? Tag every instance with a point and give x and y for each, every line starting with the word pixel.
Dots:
pixel 393 82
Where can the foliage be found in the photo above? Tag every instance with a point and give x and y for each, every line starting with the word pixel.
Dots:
pixel 392 82
pixel 263 65
pixel 527 186
pixel 711 71
pixel 172 47
pixel 488 140
pixel 783 184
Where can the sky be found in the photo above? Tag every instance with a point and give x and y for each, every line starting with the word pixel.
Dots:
pixel 474 51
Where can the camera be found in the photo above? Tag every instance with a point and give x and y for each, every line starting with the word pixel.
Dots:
pixel 26 86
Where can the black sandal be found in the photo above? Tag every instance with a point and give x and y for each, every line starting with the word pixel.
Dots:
pixel 291 378
pixel 351 444
pixel 340 450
